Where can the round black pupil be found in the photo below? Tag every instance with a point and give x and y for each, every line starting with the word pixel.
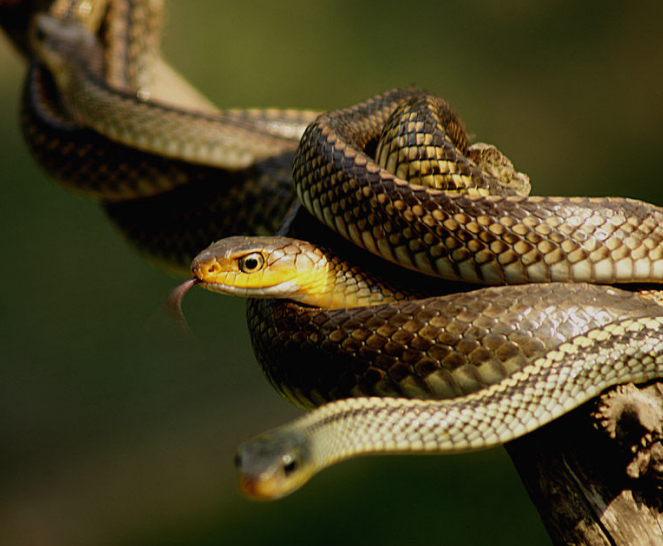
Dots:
pixel 289 467
pixel 251 263
pixel 40 35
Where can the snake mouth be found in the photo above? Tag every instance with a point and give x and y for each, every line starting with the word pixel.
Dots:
pixel 251 488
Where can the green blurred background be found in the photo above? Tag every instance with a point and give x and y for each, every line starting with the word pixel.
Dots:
pixel 118 430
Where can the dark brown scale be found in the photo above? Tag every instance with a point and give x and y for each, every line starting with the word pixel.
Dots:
pixel 449 239
pixel 335 353
pixel 424 142
pixel 89 163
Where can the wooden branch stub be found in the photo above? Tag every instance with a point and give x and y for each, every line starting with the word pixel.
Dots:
pixel 596 475
pixel 633 418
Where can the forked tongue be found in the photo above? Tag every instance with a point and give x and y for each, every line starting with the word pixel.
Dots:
pixel 173 302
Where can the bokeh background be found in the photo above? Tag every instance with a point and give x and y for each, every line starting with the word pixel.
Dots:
pixel 117 430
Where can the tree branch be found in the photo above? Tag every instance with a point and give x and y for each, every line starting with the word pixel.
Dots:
pixel 596 475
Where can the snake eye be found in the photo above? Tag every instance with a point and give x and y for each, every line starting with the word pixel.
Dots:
pixel 251 262
pixel 39 34
pixel 289 464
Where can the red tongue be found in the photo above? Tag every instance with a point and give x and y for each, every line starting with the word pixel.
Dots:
pixel 174 301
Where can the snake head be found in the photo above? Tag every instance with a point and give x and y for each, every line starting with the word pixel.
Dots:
pixel 57 41
pixel 259 267
pixel 274 464
pixel 282 267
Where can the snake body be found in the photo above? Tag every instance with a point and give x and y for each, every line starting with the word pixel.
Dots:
pixel 394 341
pixel 277 463
pixel 501 363
pixel 514 357
pixel 188 205
pixel 438 347
pixel 484 239
pixel 232 139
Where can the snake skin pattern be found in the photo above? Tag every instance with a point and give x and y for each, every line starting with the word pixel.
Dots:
pixel 511 358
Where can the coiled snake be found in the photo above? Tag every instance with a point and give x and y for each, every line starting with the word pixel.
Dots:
pixel 514 357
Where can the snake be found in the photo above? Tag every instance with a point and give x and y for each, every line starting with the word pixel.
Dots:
pixel 68 134
pixel 133 184
pixel 400 374
pixel 453 373
pixel 231 139
pixel 494 362
pixel 278 462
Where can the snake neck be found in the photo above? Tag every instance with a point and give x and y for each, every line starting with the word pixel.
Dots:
pixel 70 51
pixel 335 284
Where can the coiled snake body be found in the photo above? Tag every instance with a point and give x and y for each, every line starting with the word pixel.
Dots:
pixel 514 357
pixel 513 366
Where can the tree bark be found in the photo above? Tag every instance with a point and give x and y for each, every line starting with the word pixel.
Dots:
pixel 596 475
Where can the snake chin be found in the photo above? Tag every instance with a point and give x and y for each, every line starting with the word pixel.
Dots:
pixel 273 466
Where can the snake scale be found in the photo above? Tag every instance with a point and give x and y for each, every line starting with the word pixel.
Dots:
pixel 453 372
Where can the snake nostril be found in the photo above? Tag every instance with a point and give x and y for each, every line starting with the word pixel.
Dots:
pixel 198 270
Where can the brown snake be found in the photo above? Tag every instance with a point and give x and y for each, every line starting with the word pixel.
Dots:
pixel 511 358
pixel 517 356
